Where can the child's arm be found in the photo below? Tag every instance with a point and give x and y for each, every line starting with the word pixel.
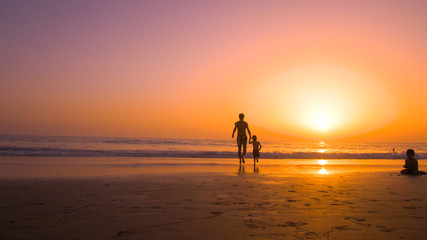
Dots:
pixel 250 142
pixel 259 146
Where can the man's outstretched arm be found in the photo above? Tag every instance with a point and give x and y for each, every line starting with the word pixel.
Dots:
pixel 232 135
pixel 249 132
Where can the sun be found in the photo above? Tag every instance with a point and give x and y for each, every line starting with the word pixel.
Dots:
pixel 321 115
pixel 322 123
pixel 321 101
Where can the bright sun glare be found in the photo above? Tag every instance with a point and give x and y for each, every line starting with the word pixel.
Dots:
pixel 322 123
pixel 321 101
pixel 322 162
pixel 323 171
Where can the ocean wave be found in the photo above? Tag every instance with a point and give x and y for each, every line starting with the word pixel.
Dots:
pixel 164 142
pixel 28 151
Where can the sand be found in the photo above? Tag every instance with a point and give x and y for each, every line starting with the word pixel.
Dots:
pixel 249 203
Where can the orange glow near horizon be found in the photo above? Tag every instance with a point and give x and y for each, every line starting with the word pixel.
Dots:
pixel 316 70
pixel 323 102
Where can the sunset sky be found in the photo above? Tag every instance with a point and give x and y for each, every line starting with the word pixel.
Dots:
pixel 317 70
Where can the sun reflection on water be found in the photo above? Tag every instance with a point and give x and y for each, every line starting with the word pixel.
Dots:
pixel 322 146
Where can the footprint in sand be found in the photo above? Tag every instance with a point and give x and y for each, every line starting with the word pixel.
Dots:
pixel 214 214
pixel 293 224
pixel 252 224
pixel 339 228
pixel 410 207
pixel 384 228
pixel 360 221
pixel 310 235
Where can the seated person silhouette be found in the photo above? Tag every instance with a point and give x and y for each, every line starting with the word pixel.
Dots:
pixel 411 164
pixel 241 127
pixel 256 147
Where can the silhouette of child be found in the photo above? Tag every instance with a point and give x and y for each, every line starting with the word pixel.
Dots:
pixel 411 164
pixel 257 146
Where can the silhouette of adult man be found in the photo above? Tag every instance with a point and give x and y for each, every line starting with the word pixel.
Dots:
pixel 241 127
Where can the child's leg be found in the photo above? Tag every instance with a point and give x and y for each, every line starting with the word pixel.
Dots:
pixel 254 160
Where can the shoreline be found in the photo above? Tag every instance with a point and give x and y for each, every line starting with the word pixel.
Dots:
pixel 57 167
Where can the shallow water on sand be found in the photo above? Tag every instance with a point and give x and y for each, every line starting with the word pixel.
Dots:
pixel 48 166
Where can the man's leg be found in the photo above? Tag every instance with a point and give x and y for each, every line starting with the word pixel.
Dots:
pixel 239 147
pixel 244 150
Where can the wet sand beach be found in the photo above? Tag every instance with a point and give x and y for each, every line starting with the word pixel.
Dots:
pixel 207 201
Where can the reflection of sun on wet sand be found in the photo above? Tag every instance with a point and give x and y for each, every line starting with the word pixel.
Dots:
pixel 322 162
pixel 239 202
pixel 323 171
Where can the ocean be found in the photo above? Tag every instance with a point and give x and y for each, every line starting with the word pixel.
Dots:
pixel 198 148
